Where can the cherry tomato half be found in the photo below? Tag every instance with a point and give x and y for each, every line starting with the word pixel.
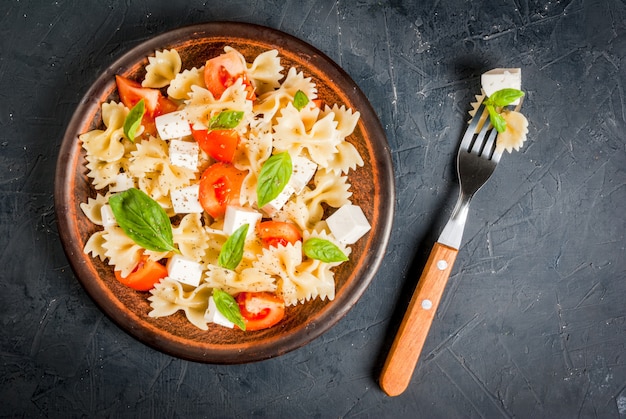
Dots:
pixel 156 104
pixel 220 185
pixel 275 233
pixel 223 71
pixel 144 276
pixel 220 144
pixel 260 310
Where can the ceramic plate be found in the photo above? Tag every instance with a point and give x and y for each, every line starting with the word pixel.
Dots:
pixel 372 188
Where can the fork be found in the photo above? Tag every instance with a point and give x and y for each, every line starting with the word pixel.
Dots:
pixel 477 159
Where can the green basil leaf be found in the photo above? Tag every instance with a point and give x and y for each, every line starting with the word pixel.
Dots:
pixel 133 120
pixel 504 97
pixel 497 120
pixel 300 100
pixel 232 251
pixel 229 308
pixel 143 220
pixel 324 250
pixel 226 120
pixel 273 178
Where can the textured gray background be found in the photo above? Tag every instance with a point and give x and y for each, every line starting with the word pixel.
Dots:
pixel 533 321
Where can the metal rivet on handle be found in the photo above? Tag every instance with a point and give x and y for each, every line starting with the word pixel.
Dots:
pixel 427 304
pixel 442 265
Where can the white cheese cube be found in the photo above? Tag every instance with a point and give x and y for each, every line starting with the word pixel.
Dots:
pixel 501 78
pixel 172 125
pixel 277 203
pixel 213 315
pixel 185 200
pixel 235 217
pixel 123 181
pixel 184 154
pixel 303 171
pixel 184 270
pixel 348 224
pixel 106 213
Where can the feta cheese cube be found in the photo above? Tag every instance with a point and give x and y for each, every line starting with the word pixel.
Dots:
pixel 213 315
pixel 185 200
pixel 123 181
pixel 272 207
pixel 106 213
pixel 501 78
pixel 235 217
pixel 184 270
pixel 184 154
pixel 348 224
pixel 303 171
pixel 172 125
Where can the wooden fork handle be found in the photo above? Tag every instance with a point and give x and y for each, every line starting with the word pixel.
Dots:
pixel 410 338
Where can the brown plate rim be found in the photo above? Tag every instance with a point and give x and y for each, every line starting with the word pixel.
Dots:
pixel 152 336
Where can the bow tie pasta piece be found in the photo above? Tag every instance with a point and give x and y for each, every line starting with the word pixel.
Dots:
pixel 269 104
pixel 107 145
pixel 162 68
pixel 265 72
pixel 202 105
pixel 169 296
pixel 181 86
pixel 233 282
pixel 516 131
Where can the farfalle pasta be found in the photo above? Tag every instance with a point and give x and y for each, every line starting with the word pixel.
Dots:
pixel 181 85
pixel 162 68
pixel 106 146
pixel 235 128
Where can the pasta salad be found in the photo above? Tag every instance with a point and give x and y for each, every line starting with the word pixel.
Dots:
pixel 212 188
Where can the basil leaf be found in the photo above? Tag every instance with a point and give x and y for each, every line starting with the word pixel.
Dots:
pixel 133 120
pixel 143 220
pixel 504 97
pixel 497 120
pixel 300 100
pixel 229 308
pixel 273 178
pixel 226 120
pixel 232 251
pixel 324 250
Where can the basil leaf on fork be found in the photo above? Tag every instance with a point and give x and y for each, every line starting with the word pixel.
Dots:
pixel 501 98
pixel 504 97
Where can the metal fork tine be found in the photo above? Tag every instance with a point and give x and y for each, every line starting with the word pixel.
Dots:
pixel 479 143
pixel 466 142
pixel 497 153
pixel 490 144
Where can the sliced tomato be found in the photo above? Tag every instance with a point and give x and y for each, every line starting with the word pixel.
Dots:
pixel 223 71
pixel 144 276
pixel 275 233
pixel 220 144
pixel 156 104
pixel 220 185
pixel 260 310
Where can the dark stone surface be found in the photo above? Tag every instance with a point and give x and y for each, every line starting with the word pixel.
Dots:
pixel 533 322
